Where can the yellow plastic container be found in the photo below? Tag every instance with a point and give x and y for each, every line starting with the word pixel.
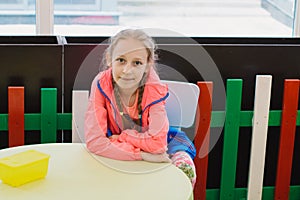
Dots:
pixel 24 167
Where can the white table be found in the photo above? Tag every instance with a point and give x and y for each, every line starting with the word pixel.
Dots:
pixel 74 173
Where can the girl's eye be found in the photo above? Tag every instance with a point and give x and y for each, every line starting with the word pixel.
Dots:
pixel 121 60
pixel 137 63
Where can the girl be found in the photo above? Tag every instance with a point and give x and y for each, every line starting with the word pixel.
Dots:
pixel 126 117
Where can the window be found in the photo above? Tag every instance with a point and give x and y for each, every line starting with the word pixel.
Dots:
pixel 17 17
pixel 251 18
pixel 71 5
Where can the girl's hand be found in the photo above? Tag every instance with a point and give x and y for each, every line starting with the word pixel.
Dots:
pixel 164 157
pixel 114 137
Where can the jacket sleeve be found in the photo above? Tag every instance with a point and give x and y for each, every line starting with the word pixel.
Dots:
pixel 96 128
pixel 154 140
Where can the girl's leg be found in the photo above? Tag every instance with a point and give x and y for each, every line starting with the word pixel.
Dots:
pixel 183 161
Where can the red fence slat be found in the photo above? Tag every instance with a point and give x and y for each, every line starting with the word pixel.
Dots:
pixel 202 136
pixel 287 138
pixel 15 116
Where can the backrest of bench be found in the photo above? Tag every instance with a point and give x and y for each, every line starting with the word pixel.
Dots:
pixel 181 107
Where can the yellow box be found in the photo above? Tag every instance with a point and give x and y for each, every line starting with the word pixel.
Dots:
pixel 24 167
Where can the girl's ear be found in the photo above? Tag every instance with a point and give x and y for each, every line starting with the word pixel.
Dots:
pixel 150 65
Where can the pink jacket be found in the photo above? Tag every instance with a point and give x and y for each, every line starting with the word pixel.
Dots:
pixel 103 118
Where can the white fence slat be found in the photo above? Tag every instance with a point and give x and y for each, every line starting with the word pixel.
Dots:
pixel 259 136
pixel 79 106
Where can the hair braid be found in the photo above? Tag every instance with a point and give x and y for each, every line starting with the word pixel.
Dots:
pixel 140 98
pixel 125 116
pixel 118 99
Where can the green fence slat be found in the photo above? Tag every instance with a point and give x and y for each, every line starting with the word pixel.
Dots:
pixel 3 122
pixel 64 121
pixel 217 119
pixel 212 194
pixel 48 115
pixel 269 191
pixel 275 118
pixel 241 193
pixel 32 122
pixel 246 118
pixel 294 191
pixel 231 137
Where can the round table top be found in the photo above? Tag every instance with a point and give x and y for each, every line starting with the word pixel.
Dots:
pixel 74 173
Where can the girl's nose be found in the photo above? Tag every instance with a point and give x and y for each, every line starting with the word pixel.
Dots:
pixel 127 68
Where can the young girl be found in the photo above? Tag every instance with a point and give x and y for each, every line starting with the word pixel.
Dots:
pixel 126 117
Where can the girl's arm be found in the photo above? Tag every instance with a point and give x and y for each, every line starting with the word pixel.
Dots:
pixel 154 140
pixel 96 129
pixel 163 157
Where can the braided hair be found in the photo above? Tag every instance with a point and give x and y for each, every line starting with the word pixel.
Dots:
pixel 134 123
pixel 150 46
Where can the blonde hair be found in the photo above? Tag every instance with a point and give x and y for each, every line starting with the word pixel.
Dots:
pixel 136 34
pixel 150 46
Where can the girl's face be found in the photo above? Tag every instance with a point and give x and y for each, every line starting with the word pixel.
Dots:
pixel 129 62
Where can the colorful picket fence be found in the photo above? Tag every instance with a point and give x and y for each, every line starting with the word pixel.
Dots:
pixel 260 119
pixel 49 121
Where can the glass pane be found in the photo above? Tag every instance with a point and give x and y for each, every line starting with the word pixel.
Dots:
pixel 17 17
pixel 76 5
pixel 11 1
pixel 31 2
pixel 84 12
pixel 253 18
pixel 261 18
pixel 207 18
pixel 73 2
pixel 281 10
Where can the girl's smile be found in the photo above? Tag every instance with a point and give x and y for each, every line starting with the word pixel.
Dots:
pixel 127 79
